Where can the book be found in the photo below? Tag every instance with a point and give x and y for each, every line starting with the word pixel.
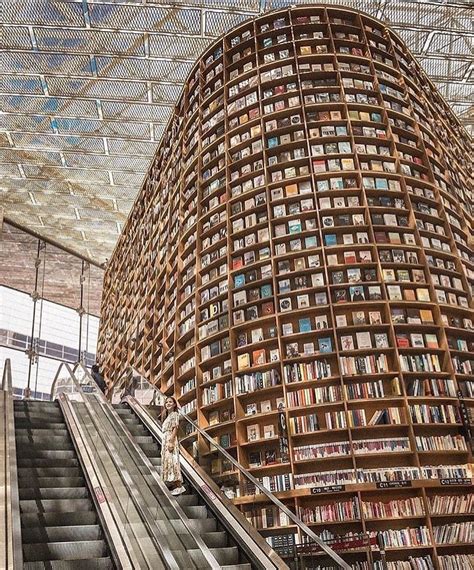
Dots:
pixel 347 342
pixel 363 340
pixel 269 431
pixel 255 459
pixel 258 357
pixel 304 325
pixel 251 409
pixel 325 344
pixel 253 432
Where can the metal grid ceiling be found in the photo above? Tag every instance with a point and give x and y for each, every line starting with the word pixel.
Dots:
pixel 88 85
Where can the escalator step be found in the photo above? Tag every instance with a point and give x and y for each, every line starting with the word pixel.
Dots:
pixel 24 432
pixel 226 556
pixel 41 462
pixel 55 506
pixel 22 423
pixel 45 482
pixel 216 539
pixel 197 525
pixel 61 533
pixel 137 430
pixel 71 550
pixel 46 472
pixel 30 452
pixel 46 493
pixel 89 564
pixel 43 442
pixel 55 519
pixel 197 512
pixel 150 449
pixel 188 500
pixel 142 439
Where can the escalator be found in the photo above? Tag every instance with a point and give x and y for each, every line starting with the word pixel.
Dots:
pixel 222 545
pixel 138 403
pixel 59 524
pixel 80 488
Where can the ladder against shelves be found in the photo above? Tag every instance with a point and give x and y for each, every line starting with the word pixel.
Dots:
pixel 298 271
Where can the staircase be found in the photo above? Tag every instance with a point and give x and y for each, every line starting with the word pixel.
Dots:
pixel 59 525
pixel 201 519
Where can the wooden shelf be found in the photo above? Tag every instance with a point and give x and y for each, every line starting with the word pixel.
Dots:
pixel 310 206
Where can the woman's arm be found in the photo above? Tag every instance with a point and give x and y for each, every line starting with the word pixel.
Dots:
pixel 173 440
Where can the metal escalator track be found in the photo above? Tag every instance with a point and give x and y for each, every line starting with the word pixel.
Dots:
pixel 59 525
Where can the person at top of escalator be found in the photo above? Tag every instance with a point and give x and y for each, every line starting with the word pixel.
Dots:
pixel 170 467
pixel 99 379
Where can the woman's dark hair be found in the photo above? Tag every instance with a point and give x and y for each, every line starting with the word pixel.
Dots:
pixel 165 413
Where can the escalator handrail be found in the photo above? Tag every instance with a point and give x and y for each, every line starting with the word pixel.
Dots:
pixel 257 546
pixel 13 552
pixel 121 553
pixel 292 516
pixel 205 550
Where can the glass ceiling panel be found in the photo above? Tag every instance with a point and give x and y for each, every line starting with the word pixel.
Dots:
pixel 88 87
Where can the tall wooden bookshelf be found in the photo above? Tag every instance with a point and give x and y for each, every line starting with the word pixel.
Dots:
pixel 299 261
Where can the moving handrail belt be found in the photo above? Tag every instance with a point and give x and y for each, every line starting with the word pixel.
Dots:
pixel 304 529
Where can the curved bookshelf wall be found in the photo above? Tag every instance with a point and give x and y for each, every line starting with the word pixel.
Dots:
pixel 299 263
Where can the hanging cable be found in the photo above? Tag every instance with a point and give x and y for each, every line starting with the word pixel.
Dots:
pixel 38 339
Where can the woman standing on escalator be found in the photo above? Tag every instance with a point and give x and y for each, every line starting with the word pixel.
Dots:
pixel 171 470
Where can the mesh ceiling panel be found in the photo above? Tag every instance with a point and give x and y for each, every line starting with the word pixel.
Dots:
pixel 87 88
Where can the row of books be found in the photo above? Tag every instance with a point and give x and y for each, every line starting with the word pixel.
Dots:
pixel 268 517
pixel 343 448
pixel 400 538
pixel 381 475
pixel 434 387
pixel 303 424
pixel 451 504
pixel 366 390
pixel 322 450
pixel 387 416
pixel 420 363
pixel 320 346
pixel 412 506
pixel 372 364
pixel 462 366
pixel 446 442
pixel 342 511
pixel 441 414
pixel 306 371
pixel 263 458
pixel 257 381
pixel 413 563
pixel 454 533
pixel 311 396
pixel 456 561
pixel 257 358
pixel 356 294
pixel 274 483
pixel 363 340
pixel 216 392
pixel 411 316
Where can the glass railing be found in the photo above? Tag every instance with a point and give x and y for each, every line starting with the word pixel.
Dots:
pixel 286 533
